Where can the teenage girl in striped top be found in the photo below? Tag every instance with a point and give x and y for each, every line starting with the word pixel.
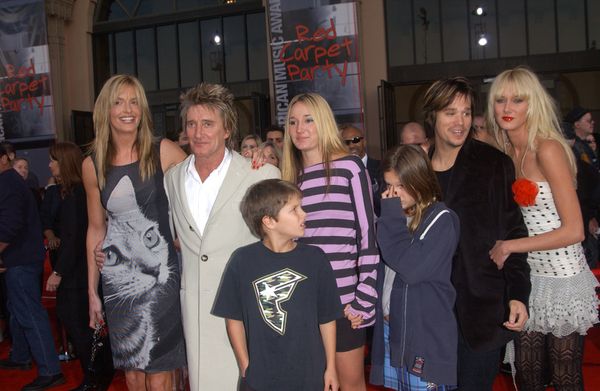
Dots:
pixel 336 192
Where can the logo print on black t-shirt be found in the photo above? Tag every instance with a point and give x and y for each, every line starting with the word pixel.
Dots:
pixel 271 291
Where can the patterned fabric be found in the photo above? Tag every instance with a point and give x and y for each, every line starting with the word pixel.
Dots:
pixel 340 221
pixel 563 298
pixel 543 359
pixel 543 217
pixel 410 382
pixel 562 306
pixel 402 379
pixel 390 374
pixel 141 276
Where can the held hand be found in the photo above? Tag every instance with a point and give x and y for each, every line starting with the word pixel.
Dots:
pixel 99 255
pixel 53 282
pixel 355 320
pixel 331 380
pixel 96 316
pixel 499 253
pixel 517 317
pixel 258 159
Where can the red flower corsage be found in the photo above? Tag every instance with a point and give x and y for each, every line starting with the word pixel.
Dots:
pixel 524 192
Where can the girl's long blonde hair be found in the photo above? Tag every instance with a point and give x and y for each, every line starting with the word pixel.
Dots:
pixel 103 150
pixel 542 115
pixel 413 168
pixel 330 142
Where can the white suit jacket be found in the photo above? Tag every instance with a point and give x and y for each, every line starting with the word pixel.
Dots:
pixel 211 362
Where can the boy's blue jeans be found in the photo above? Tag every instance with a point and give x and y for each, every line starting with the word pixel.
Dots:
pixel 29 323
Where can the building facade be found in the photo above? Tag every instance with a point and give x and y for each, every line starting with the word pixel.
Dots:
pixel 406 44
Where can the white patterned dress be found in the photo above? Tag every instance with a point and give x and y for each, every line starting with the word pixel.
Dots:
pixel 563 298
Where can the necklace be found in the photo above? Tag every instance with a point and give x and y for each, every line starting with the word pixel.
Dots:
pixel 524 190
pixel 522 161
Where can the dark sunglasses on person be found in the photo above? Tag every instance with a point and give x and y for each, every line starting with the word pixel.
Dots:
pixel 353 140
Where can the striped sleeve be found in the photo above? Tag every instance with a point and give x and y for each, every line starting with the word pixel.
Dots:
pixel 340 221
pixel 368 254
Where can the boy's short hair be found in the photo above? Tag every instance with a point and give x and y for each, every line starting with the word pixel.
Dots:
pixel 266 198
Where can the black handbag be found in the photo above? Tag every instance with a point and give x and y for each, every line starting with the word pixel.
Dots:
pixel 98 342
pixel 100 364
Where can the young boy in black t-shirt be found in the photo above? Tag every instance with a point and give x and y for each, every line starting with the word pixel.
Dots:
pixel 279 298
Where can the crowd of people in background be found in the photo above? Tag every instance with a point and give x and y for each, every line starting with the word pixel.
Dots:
pixel 470 243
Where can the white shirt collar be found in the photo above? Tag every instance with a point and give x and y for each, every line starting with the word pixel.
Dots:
pixel 201 196
pixel 221 169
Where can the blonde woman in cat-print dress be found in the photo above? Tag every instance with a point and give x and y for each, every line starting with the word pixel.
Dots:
pixel 563 303
pixel 140 279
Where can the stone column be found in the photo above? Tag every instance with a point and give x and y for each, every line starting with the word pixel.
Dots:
pixel 373 67
pixel 58 12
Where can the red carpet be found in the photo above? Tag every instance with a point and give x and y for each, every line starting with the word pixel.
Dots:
pixel 14 380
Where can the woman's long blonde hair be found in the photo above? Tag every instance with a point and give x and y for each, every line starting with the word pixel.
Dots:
pixel 103 150
pixel 330 142
pixel 542 115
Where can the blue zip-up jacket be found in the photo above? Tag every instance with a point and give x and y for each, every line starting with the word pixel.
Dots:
pixel 423 328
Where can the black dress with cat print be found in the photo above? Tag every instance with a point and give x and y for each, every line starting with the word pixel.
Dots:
pixel 141 275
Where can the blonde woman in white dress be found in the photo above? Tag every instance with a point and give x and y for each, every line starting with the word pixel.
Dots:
pixel 563 304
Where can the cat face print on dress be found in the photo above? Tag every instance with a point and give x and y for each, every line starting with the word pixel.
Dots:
pixel 135 269
pixel 136 252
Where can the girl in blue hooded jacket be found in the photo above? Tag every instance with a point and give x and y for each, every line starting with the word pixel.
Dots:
pixel 415 336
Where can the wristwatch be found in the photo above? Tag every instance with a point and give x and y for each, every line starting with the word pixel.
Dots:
pixel 57 274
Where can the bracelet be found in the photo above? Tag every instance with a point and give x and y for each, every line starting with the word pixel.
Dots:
pixel 56 273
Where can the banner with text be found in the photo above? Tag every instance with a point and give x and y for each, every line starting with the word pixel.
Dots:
pixel 315 49
pixel 26 109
